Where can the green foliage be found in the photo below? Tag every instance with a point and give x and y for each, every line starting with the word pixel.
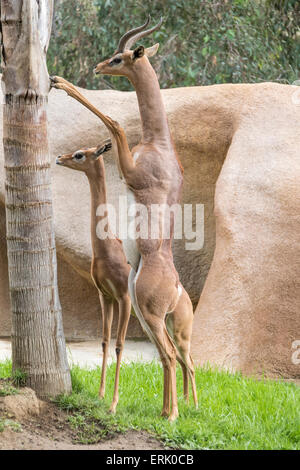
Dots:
pixel 201 42
pixel 19 378
pixel 13 425
pixel 88 431
pixel 5 369
pixel 235 412
pixel 7 389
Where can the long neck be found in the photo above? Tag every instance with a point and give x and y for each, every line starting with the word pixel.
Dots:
pixel 153 115
pixel 98 197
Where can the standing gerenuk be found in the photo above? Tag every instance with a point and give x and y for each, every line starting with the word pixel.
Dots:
pixel 153 175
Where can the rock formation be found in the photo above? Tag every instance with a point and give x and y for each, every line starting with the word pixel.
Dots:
pixel 246 139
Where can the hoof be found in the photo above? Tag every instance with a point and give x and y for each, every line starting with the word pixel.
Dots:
pixel 112 409
pixel 173 416
pixel 53 81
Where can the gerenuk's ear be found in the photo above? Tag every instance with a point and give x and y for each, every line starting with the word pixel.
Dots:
pixel 138 53
pixel 151 51
pixel 102 149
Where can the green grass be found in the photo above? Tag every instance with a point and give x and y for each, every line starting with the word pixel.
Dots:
pixel 9 423
pixel 89 430
pixel 10 381
pixel 19 378
pixel 5 369
pixel 234 412
pixel 7 388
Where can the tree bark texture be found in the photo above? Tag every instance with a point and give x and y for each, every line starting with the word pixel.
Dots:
pixel 38 344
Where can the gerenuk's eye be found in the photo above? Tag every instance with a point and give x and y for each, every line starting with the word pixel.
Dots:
pixel 78 156
pixel 116 61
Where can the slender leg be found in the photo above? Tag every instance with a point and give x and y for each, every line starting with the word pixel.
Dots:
pixel 185 375
pixel 190 372
pixel 193 382
pixel 125 158
pixel 167 352
pixel 166 393
pixel 124 315
pixel 62 84
pixel 151 312
pixel 55 80
pixel 174 409
pixel 181 322
pixel 107 316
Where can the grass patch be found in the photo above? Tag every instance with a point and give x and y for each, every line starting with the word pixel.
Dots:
pixel 19 378
pixel 235 412
pixel 6 388
pixel 9 423
pixel 6 381
pixel 88 431
pixel 5 369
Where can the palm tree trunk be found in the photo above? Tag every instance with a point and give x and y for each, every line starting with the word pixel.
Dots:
pixel 38 344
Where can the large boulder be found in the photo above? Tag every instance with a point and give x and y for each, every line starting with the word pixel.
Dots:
pixel 246 317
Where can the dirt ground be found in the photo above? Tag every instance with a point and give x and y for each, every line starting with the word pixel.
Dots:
pixel 31 424
pixel 33 439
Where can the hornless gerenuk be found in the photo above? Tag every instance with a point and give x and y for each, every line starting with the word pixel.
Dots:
pixel 109 268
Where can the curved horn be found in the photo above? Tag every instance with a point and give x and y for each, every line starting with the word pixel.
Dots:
pixel 129 34
pixel 142 34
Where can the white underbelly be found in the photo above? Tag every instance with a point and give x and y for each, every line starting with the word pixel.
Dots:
pixel 129 243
